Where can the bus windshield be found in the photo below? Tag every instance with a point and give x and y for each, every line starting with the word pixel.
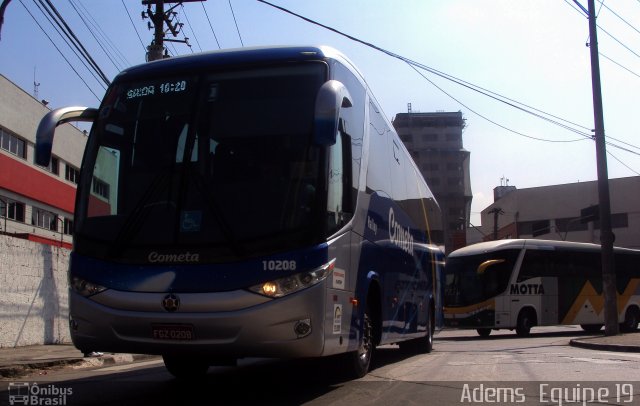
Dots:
pixel 475 278
pixel 220 160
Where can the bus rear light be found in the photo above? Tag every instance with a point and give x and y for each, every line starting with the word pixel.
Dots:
pixel 294 283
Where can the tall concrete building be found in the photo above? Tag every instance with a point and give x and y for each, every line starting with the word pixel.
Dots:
pixel 36 203
pixel 435 143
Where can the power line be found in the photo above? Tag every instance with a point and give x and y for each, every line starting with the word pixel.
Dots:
pixel 471 86
pixel 619 64
pixel 619 42
pixel 115 49
pixel 600 53
pixel 109 42
pixel 53 23
pixel 184 11
pixel 622 163
pixel 236 22
pixel 488 93
pixel 144 49
pixel 486 118
pixel 618 15
pixel 59 51
pixel 210 25
pixel 94 36
pixel 74 40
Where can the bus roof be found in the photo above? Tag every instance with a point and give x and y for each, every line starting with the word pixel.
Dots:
pixel 529 243
pixel 238 57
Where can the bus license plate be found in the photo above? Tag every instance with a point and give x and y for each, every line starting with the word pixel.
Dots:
pixel 183 332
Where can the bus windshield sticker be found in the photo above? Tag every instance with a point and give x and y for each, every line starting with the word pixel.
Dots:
pixel 190 221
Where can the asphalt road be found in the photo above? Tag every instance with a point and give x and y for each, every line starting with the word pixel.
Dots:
pixel 462 369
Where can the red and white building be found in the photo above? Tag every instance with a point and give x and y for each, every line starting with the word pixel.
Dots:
pixel 36 203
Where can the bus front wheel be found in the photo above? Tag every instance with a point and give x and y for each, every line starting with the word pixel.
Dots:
pixel 422 345
pixel 358 362
pixel 591 328
pixel 185 368
pixel 484 332
pixel 526 320
pixel 631 320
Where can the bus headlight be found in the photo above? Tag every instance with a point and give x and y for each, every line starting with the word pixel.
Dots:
pixel 294 283
pixel 84 287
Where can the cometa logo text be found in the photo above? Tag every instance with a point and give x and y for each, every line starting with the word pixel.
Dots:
pixel 184 257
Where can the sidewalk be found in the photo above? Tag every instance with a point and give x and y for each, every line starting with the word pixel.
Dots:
pixel 20 361
pixel 627 342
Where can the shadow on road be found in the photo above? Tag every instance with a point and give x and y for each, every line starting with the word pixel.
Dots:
pixel 506 335
pixel 259 382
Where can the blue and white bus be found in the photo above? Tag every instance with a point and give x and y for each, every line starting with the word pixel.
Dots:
pixel 248 203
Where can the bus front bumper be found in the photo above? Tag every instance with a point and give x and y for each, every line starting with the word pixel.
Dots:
pixel 208 325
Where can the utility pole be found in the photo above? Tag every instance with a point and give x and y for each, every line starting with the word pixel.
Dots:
pixel 159 18
pixel 606 235
pixel 496 212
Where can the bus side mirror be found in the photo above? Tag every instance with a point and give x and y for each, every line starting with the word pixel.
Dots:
pixel 48 124
pixel 486 264
pixel 331 97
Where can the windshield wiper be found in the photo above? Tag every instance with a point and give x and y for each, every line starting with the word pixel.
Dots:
pixel 138 215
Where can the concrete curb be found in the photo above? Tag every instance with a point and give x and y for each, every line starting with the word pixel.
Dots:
pixel 603 346
pixel 26 368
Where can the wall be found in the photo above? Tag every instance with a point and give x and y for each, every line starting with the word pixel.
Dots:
pixel 33 293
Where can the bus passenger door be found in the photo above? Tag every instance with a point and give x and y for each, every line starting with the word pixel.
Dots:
pixel 502 311
pixel 549 302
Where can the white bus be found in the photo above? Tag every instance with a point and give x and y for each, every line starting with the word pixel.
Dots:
pixel 519 284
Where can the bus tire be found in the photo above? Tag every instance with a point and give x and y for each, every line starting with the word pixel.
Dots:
pixel 422 345
pixel 185 368
pixel 591 328
pixel 526 320
pixel 483 332
pixel 631 320
pixel 358 362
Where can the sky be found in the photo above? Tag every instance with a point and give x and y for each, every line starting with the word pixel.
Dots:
pixel 532 52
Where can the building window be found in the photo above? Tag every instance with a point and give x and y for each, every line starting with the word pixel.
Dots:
pixel 68 226
pixel 428 166
pixel 53 166
pixel 71 174
pixel 44 219
pixel 540 228
pixel 454 181
pixel 406 137
pixel 452 137
pixel 565 225
pixel 100 188
pixel 431 137
pixel 13 144
pixel 453 167
pixel 11 209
